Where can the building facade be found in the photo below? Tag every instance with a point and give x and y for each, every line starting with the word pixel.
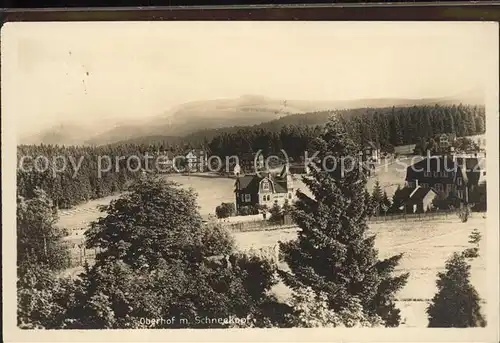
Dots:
pixel 250 163
pixel 446 174
pixel 254 190
pixel 196 161
pixel 371 152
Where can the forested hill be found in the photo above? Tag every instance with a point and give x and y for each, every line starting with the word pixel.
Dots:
pixel 389 125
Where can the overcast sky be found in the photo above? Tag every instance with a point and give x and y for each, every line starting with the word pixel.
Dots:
pixel 91 72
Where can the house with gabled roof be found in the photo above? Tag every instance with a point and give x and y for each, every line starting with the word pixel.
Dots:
pixel 264 189
pixel 446 174
pixel 420 200
pixel 196 160
pixel 371 152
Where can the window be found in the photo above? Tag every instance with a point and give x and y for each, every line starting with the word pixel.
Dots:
pixel 449 187
pixel 424 185
pixel 268 197
pixel 289 195
pixel 248 198
pixel 459 181
pixel 265 185
pixel 484 173
pixel 444 173
pixel 427 174
pixel 436 174
pixel 243 197
pixel 411 184
pixel 460 194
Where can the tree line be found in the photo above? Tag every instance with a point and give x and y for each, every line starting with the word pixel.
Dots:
pixel 295 134
pixel 388 127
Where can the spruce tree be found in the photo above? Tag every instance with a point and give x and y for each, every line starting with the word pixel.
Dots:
pixel 369 207
pixel 456 304
pixel 333 253
pixel 276 213
pixel 377 197
pixel 398 200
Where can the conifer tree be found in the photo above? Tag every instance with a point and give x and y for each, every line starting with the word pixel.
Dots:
pixel 287 208
pixel 456 304
pixel 276 213
pixel 333 253
pixel 377 197
pixel 397 200
pixel 368 201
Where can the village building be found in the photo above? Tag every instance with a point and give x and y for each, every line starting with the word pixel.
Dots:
pixel 371 152
pixel 268 189
pixel 236 169
pixel 299 169
pixel 420 200
pixel 250 163
pixel 446 174
pixel 444 143
pixel 164 161
pixel 196 161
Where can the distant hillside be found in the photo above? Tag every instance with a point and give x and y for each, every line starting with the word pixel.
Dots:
pixel 300 119
pixel 64 134
pixel 203 117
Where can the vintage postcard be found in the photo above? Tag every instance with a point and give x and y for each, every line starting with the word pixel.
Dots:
pixel 250 181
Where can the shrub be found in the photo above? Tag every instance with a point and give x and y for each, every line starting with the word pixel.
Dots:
pixel 225 210
pixel 276 213
pixel 247 211
pixel 311 310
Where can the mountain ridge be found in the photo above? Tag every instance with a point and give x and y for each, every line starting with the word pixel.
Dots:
pixel 196 116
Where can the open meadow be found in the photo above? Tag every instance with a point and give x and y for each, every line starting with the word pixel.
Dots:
pixel 426 246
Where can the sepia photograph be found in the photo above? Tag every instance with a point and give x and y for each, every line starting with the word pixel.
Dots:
pixel 328 177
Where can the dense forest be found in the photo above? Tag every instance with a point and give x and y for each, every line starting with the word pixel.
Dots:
pixel 78 183
pixel 389 125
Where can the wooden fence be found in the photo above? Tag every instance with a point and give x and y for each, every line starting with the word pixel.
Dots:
pixel 430 215
pixel 261 225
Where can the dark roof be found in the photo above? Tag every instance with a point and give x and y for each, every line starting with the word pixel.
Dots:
pixel 280 186
pixel 420 194
pixel 251 183
pixel 371 145
pixel 432 164
pixel 405 192
pixel 197 152
pixel 246 180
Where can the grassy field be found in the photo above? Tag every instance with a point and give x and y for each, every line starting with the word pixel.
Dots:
pixel 211 191
pixel 426 246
